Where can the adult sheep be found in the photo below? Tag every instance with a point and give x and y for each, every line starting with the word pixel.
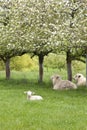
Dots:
pixel 60 84
pixel 80 79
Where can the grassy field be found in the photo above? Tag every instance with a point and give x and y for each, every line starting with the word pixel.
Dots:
pixel 60 110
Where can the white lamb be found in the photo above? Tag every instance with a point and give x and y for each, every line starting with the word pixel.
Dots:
pixel 60 84
pixel 80 79
pixel 30 96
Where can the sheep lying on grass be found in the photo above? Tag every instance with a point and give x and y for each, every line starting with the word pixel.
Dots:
pixel 80 79
pixel 60 84
pixel 30 96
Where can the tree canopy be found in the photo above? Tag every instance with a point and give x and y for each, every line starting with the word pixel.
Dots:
pixel 41 27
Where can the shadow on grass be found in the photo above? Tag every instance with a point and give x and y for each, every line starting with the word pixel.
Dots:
pixel 26 84
pixel 23 83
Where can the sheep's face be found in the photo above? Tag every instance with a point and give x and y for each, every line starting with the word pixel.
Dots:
pixel 54 78
pixel 29 93
pixel 78 76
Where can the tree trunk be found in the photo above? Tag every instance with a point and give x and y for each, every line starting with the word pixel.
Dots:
pixel 86 70
pixel 69 66
pixel 7 68
pixel 41 59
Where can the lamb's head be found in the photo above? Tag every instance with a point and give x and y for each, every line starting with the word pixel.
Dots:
pixel 78 76
pixel 55 78
pixel 29 93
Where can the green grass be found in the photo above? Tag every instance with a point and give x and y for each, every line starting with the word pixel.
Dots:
pixel 60 110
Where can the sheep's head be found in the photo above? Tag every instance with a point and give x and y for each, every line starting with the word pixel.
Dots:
pixel 78 77
pixel 29 93
pixel 55 78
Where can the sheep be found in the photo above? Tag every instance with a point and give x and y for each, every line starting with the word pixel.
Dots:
pixel 30 96
pixel 80 79
pixel 60 84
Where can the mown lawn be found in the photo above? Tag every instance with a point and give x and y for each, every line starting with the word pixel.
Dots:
pixel 60 110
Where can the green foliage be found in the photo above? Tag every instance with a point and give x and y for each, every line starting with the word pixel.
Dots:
pixel 40 26
pixel 23 63
pixel 2 65
pixel 78 67
pixel 73 26
pixel 52 61
pixel 55 61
